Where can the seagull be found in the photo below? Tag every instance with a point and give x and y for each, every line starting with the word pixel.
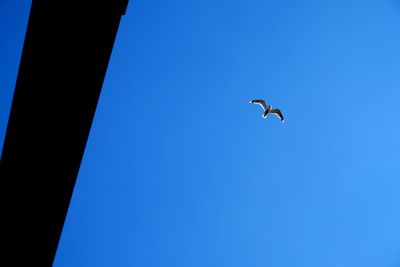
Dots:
pixel 268 110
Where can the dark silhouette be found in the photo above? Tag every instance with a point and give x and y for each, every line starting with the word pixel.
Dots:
pixel 64 61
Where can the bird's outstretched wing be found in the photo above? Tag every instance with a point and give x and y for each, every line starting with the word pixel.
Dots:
pixel 260 102
pixel 278 113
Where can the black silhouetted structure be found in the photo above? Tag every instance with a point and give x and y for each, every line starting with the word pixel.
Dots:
pixel 66 52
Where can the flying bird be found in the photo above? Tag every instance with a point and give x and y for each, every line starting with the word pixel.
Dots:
pixel 268 109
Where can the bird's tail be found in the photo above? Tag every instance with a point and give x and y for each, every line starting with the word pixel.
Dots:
pixel 265 114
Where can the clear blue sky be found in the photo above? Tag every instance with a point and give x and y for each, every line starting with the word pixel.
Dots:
pixel 180 170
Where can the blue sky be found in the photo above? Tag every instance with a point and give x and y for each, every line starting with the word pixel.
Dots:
pixel 180 170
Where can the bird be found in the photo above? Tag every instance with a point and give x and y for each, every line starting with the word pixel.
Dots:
pixel 268 109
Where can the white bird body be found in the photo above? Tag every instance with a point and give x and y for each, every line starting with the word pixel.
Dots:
pixel 268 109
